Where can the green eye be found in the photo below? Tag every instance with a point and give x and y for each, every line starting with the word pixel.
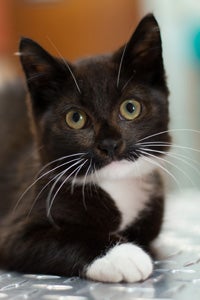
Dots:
pixel 76 119
pixel 130 109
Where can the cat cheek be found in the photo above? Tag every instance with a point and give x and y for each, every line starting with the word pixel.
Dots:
pixel 84 140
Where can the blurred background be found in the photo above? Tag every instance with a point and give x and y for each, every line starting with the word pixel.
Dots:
pixel 80 28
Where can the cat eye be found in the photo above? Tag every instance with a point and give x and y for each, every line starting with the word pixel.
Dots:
pixel 130 109
pixel 76 119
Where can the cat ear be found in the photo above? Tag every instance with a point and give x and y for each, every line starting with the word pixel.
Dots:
pixel 38 65
pixel 45 74
pixel 141 57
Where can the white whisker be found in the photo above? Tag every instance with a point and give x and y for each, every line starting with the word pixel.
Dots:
pixel 168 131
pixel 160 166
pixel 186 159
pixel 66 64
pixel 125 85
pixel 59 159
pixel 120 65
pixel 74 182
pixel 137 167
pixel 84 182
pixel 168 162
pixel 160 144
pixel 93 180
pixel 58 179
pixel 180 157
pixel 39 178
pixel 56 193
pixel 38 195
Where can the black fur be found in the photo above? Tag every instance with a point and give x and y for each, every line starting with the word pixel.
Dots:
pixel 77 230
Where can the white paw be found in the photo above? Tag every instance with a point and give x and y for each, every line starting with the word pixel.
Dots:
pixel 125 262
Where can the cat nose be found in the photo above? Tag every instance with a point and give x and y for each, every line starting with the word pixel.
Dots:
pixel 109 146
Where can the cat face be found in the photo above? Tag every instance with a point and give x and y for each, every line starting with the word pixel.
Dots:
pixel 101 107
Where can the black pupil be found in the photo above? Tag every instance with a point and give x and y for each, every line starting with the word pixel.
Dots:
pixel 130 108
pixel 76 117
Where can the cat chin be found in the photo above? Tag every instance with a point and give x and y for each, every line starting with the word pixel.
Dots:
pixel 118 170
pixel 125 169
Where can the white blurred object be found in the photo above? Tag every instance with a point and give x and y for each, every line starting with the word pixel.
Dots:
pixel 176 20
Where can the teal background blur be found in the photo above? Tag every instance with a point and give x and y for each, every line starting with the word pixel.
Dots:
pixel 180 28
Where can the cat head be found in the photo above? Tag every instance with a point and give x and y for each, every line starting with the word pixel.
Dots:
pixel 101 108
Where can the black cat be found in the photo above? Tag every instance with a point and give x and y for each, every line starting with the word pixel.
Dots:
pixel 97 200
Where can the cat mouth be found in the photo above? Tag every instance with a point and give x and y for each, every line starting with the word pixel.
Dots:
pixel 118 168
pixel 114 161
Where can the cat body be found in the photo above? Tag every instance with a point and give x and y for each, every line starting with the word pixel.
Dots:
pixel 97 201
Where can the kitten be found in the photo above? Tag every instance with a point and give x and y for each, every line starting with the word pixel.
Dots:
pixel 98 199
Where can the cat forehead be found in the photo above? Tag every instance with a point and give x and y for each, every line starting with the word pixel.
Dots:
pixel 97 78
pixel 97 70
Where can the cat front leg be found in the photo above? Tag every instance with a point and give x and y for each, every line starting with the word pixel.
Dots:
pixel 122 263
pixel 37 247
pixel 73 251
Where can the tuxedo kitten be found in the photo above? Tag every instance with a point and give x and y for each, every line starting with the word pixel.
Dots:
pixel 97 200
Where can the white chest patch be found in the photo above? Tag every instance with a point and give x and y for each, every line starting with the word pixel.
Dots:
pixel 123 181
pixel 129 197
